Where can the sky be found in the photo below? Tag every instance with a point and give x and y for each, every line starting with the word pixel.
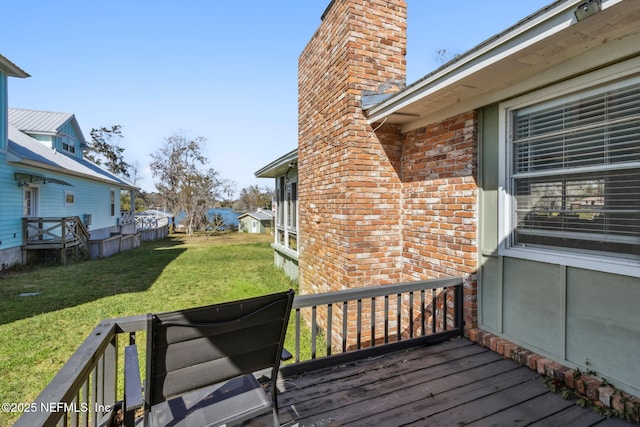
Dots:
pixel 222 70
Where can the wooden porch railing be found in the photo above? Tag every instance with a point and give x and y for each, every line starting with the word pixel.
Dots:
pixel 86 389
pixel 55 233
pixel 127 217
pixel 150 222
pixel 361 322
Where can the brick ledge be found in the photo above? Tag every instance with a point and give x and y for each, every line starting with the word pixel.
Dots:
pixel 604 396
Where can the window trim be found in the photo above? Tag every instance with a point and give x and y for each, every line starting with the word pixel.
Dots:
pixel 623 74
pixel 69 194
pixel 285 204
pixel 112 202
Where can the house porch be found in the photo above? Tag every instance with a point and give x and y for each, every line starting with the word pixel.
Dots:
pixel 452 383
pixel 418 370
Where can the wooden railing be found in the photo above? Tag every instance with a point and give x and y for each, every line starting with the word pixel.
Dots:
pixel 59 231
pixel 359 322
pixel 127 217
pixel 150 222
pixel 86 389
pixel 55 233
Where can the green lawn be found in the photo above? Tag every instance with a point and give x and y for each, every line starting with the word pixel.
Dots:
pixel 39 333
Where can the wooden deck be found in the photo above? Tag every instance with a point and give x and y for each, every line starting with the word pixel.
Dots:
pixel 450 384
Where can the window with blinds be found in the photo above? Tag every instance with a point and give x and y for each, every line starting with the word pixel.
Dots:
pixel 575 172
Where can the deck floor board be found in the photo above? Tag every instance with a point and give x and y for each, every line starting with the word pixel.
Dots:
pixel 450 384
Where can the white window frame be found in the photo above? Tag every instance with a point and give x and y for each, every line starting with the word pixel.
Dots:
pixel 34 199
pixel 625 73
pixel 67 194
pixel 286 211
pixel 112 202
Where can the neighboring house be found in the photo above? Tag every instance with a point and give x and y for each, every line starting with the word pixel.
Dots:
pixel 258 222
pixel 285 172
pixel 46 183
pixel 516 166
pixel 224 218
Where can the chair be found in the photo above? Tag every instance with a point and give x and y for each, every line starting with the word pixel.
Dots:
pixel 201 363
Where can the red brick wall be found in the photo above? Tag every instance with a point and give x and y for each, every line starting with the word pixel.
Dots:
pixel 378 206
pixel 349 184
pixel 439 211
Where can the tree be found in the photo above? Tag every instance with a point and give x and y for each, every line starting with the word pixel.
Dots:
pixel 227 191
pixel 125 203
pixel 254 197
pixel 105 148
pixel 181 178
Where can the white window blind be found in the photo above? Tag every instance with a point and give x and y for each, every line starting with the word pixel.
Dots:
pixel 575 173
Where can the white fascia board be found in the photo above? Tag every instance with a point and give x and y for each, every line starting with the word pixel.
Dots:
pixel 278 163
pixel 68 172
pixel 547 23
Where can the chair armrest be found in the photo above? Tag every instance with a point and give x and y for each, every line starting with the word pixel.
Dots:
pixel 285 354
pixel 132 384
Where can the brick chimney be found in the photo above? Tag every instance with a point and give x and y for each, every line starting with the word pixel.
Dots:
pixel 349 176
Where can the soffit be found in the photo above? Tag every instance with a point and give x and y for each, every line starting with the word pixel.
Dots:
pixel 499 65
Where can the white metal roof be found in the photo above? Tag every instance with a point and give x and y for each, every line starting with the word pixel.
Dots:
pixel 38 122
pixel 259 215
pixel 27 151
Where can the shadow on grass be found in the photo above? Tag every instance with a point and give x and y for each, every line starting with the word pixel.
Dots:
pixel 31 292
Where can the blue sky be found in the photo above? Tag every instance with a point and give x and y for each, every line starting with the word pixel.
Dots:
pixel 226 71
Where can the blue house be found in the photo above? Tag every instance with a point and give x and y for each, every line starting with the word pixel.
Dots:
pixel 53 198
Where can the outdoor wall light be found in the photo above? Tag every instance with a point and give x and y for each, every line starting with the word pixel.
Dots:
pixel 587 9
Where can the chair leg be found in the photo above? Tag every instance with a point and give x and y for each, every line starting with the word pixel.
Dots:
pixel 276 417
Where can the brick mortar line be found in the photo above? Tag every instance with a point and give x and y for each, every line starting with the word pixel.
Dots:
pixel 599 394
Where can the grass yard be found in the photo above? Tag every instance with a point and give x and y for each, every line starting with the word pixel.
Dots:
pixel 39 333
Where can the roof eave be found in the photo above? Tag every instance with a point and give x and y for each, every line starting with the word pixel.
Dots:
pixel 274 169
pixel 27 162
pixel 11 69
pixel 533 29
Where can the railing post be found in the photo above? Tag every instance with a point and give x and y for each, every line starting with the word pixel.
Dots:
pixel 111 372
pixel 459 301
pixel 63 237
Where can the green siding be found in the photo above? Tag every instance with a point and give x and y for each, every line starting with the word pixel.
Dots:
pixel 602 323
pixel 489 181
pixel 490 309
pixel 531 312
pixel 565 313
